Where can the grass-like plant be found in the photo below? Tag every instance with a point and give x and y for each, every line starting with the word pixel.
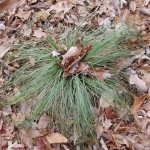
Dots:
pixel 69 99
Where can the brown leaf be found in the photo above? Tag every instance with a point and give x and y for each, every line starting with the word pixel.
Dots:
pixel 54 138
pixel 39 33
pixel 40 143
pixel 26 30
pixel 60 6
pixel 82 67
pixel 14 145
pixel 32 1
pixel 146 106
pixel 1 123
pixel 73 56
pixel 99 130
pixel 10 5
pixel 6 110
pixel 103 144
pixel 18 119
pixel 38 5
pixel 24 15
pixel 43 121
pixel 6 46
pixel 138 101
pixel 72 52
pixel 132 6
pixel 99 73
pixel 41 14
pixel 146 37
pixel 140 84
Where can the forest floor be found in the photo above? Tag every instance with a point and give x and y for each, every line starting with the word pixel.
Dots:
pixel 22 20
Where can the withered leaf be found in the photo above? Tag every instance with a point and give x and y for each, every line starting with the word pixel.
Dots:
pixel 73 56
pixel 54 138
pixel 138 103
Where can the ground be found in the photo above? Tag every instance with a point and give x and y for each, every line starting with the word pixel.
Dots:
pixel 23 20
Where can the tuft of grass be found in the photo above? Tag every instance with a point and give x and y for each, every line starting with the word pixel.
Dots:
pixel 69 100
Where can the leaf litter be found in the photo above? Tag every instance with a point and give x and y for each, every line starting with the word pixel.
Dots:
pixel 15 20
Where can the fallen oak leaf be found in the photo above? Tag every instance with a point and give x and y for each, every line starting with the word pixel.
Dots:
pixel 56 138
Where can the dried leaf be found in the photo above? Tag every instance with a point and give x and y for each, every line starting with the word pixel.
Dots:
pixel 107 23
pixel 9 5
pixel 103 144
pixel 2 26
pixel 14 145
pixel 60 6
pixel 32 1
pixel 140 84
pixel 72 52
pixel 41 144
pixel 54 138
pixel 24 15
pixel 106 101
pixel 6 110
pixel 4 49
pixel 1 123
pixel 99 130
pixel 146 37
pixel 82 67
pixel 146 106
pixel 18 119
pixel 146 2
pixel 43 121
pixel 41 14
pixel 122 2
pixel 26 30
pixel 99 73
pixel 73 56
pixel 145 11
pixel 132 6
pixel 39 33
pixel 138 103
